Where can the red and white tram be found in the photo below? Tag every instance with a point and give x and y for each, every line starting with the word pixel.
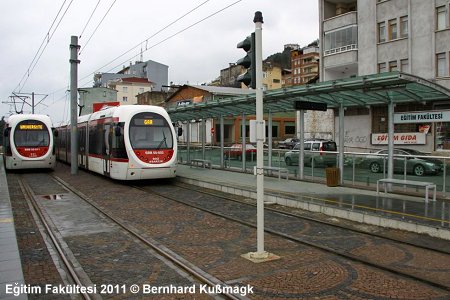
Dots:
pixel 28 142
pixel 127 142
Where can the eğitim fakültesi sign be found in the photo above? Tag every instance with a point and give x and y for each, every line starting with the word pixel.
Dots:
pixel 422 117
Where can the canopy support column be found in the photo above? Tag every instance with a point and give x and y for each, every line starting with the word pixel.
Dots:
pixel 269 133
pixel 301 153
pixel 203 134
pixel 341 142
pixel 188 141
pixel 222 164
pixel 390 166
pixel 244 144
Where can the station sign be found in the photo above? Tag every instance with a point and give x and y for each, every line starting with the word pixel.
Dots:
pixel 307 105
pixel 422 117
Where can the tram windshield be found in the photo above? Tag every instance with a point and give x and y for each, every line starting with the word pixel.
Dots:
pixel 150 131
pixel 31 133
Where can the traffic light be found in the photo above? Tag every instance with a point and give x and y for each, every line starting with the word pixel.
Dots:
pixel 248 62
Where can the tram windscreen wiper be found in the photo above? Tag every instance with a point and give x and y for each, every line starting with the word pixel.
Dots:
pixel 163 141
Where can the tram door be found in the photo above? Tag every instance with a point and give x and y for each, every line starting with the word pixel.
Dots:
pixel 106 149
pixel 82 147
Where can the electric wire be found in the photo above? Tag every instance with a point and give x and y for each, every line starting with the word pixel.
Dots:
pixel 181 31
pixel 164 40
pixel 89 20
pixel 158 43
pixel 98 25
pixel 153 35
pixel 39 53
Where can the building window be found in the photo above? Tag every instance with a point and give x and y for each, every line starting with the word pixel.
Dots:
pixel 440 18
pixel 124 99
pixel 381 67
pixel 125 89
pixel 344 39
pixel 381 32
pixel 393 29
pixel 393 66
pixel 441 65
pixel 404 27
pixel 404 65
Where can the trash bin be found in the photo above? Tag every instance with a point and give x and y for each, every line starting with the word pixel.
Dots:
pixel 332 175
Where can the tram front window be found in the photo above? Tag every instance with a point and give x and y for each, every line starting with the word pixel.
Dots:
pixel 150 131
pixel 31 134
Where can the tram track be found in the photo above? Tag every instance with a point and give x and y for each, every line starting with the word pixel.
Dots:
pixel 200 276
pixel 445 285
pixel 55 242
pixel 214 243
pixel 312 219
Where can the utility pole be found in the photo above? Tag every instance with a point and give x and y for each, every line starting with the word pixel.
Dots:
pixel 74 47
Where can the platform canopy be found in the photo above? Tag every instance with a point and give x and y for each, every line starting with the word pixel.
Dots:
pixel 377 89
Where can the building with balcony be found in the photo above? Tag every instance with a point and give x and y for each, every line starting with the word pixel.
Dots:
pixel 305 64
pixel 362 37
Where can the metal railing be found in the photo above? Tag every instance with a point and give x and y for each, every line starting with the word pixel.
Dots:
pixel 356 168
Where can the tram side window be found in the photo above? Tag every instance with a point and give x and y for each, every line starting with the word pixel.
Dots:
pixel 118 142
pixel 95 139
pixel 82 139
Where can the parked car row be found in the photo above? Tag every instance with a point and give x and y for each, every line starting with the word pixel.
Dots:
pixel 323 153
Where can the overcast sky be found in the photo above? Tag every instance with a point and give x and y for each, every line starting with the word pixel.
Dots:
pixel 194 54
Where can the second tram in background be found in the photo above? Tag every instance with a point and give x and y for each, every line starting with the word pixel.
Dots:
pixel 127 142
pixel 28 142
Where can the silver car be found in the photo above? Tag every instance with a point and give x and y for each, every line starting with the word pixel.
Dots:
pixel 317 153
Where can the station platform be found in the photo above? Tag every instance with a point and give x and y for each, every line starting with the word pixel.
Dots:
pixel 10 265
pixel 391 210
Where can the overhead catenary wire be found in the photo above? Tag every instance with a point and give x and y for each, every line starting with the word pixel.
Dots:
pixel 162 41
pixel 88 76
pixel 96 28
pixel 46 41
pixel 181 31
pixel 89 20
pixel 153 35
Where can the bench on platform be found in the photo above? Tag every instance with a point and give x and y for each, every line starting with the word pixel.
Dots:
pixel 280 171
pixel 426 185
pixel 201 163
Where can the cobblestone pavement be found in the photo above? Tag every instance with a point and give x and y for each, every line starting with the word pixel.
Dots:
pixel 215 244
pixel 106 254
pixel 37 264
pixel 411 260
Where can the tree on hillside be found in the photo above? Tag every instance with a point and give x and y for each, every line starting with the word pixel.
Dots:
pixel 282 59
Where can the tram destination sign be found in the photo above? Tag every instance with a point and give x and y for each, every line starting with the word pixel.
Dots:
pixel 422 117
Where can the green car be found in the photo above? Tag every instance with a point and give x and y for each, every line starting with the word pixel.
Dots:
pixel 317 153
pixel 416 162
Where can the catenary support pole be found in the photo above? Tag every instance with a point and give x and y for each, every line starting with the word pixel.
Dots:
pixel 74 47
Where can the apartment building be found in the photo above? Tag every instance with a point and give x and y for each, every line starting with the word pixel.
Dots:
pixel 362 37
pixel 305 64
pixel 128 89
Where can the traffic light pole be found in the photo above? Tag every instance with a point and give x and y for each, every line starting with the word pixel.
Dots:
pixel 258 20
pixel 260 255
